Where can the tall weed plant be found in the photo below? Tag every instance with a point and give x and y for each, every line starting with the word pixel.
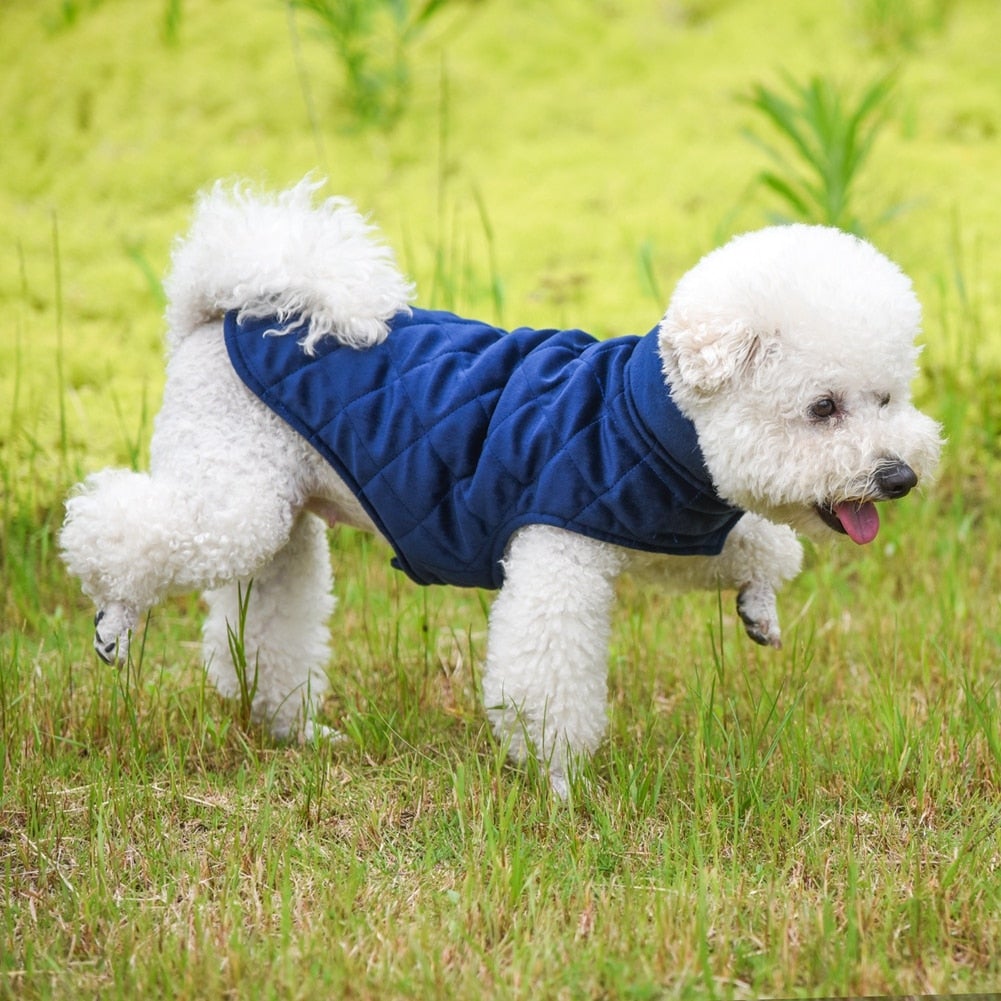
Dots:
pixel 819 139
pixel 892 25
pixel 69 13
pixel 371 40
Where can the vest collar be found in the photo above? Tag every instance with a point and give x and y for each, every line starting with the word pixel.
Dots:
pixel 657 418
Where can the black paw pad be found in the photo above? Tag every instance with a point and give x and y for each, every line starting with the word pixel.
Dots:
pixel 106 651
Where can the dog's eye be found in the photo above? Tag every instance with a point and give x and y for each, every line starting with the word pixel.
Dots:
pixel 823 409
pixel 884 401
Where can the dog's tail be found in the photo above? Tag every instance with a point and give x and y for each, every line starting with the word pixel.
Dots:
pixel 283 255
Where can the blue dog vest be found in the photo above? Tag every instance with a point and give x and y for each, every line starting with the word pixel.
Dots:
pixel 453 433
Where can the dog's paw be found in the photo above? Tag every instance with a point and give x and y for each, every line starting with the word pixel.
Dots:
pixel 113 627
pixel 319 733
pixel 758 611
pixel 292 730
pixel 559 783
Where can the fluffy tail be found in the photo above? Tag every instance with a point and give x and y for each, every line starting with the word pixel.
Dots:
pixel 282 255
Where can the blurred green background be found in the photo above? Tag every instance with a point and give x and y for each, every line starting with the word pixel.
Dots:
pixel 531 163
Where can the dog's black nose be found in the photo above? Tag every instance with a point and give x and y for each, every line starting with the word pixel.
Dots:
pixel 895 479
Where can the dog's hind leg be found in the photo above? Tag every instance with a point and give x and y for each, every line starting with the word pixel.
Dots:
pixel 133 538
pixel 281 616
pixel 219 502
pixel 545 682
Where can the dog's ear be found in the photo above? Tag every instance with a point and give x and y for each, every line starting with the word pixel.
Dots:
pixel 706 356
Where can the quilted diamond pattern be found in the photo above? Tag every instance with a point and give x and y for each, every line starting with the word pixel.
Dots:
pixel 454 433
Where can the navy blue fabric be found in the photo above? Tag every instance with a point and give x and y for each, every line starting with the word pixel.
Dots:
pixel 453 433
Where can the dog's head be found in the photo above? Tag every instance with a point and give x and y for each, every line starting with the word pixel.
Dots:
pixel 792 349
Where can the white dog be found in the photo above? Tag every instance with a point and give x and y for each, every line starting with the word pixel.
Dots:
pixel 773 398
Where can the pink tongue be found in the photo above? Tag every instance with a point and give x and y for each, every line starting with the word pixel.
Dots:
pixel 860 521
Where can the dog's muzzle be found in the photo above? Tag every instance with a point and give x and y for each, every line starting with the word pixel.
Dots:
pixel 857 517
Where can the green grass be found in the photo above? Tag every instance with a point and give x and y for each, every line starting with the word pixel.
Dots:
pixel 822 820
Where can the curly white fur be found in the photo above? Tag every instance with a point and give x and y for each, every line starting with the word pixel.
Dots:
pixel 282 256
pixel 791 350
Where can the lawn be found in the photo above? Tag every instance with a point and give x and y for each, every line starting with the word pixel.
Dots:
pixel 821 820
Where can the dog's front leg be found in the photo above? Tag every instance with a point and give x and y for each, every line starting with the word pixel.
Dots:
pixel 758 610
pixel 758 557
pixel 545 681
